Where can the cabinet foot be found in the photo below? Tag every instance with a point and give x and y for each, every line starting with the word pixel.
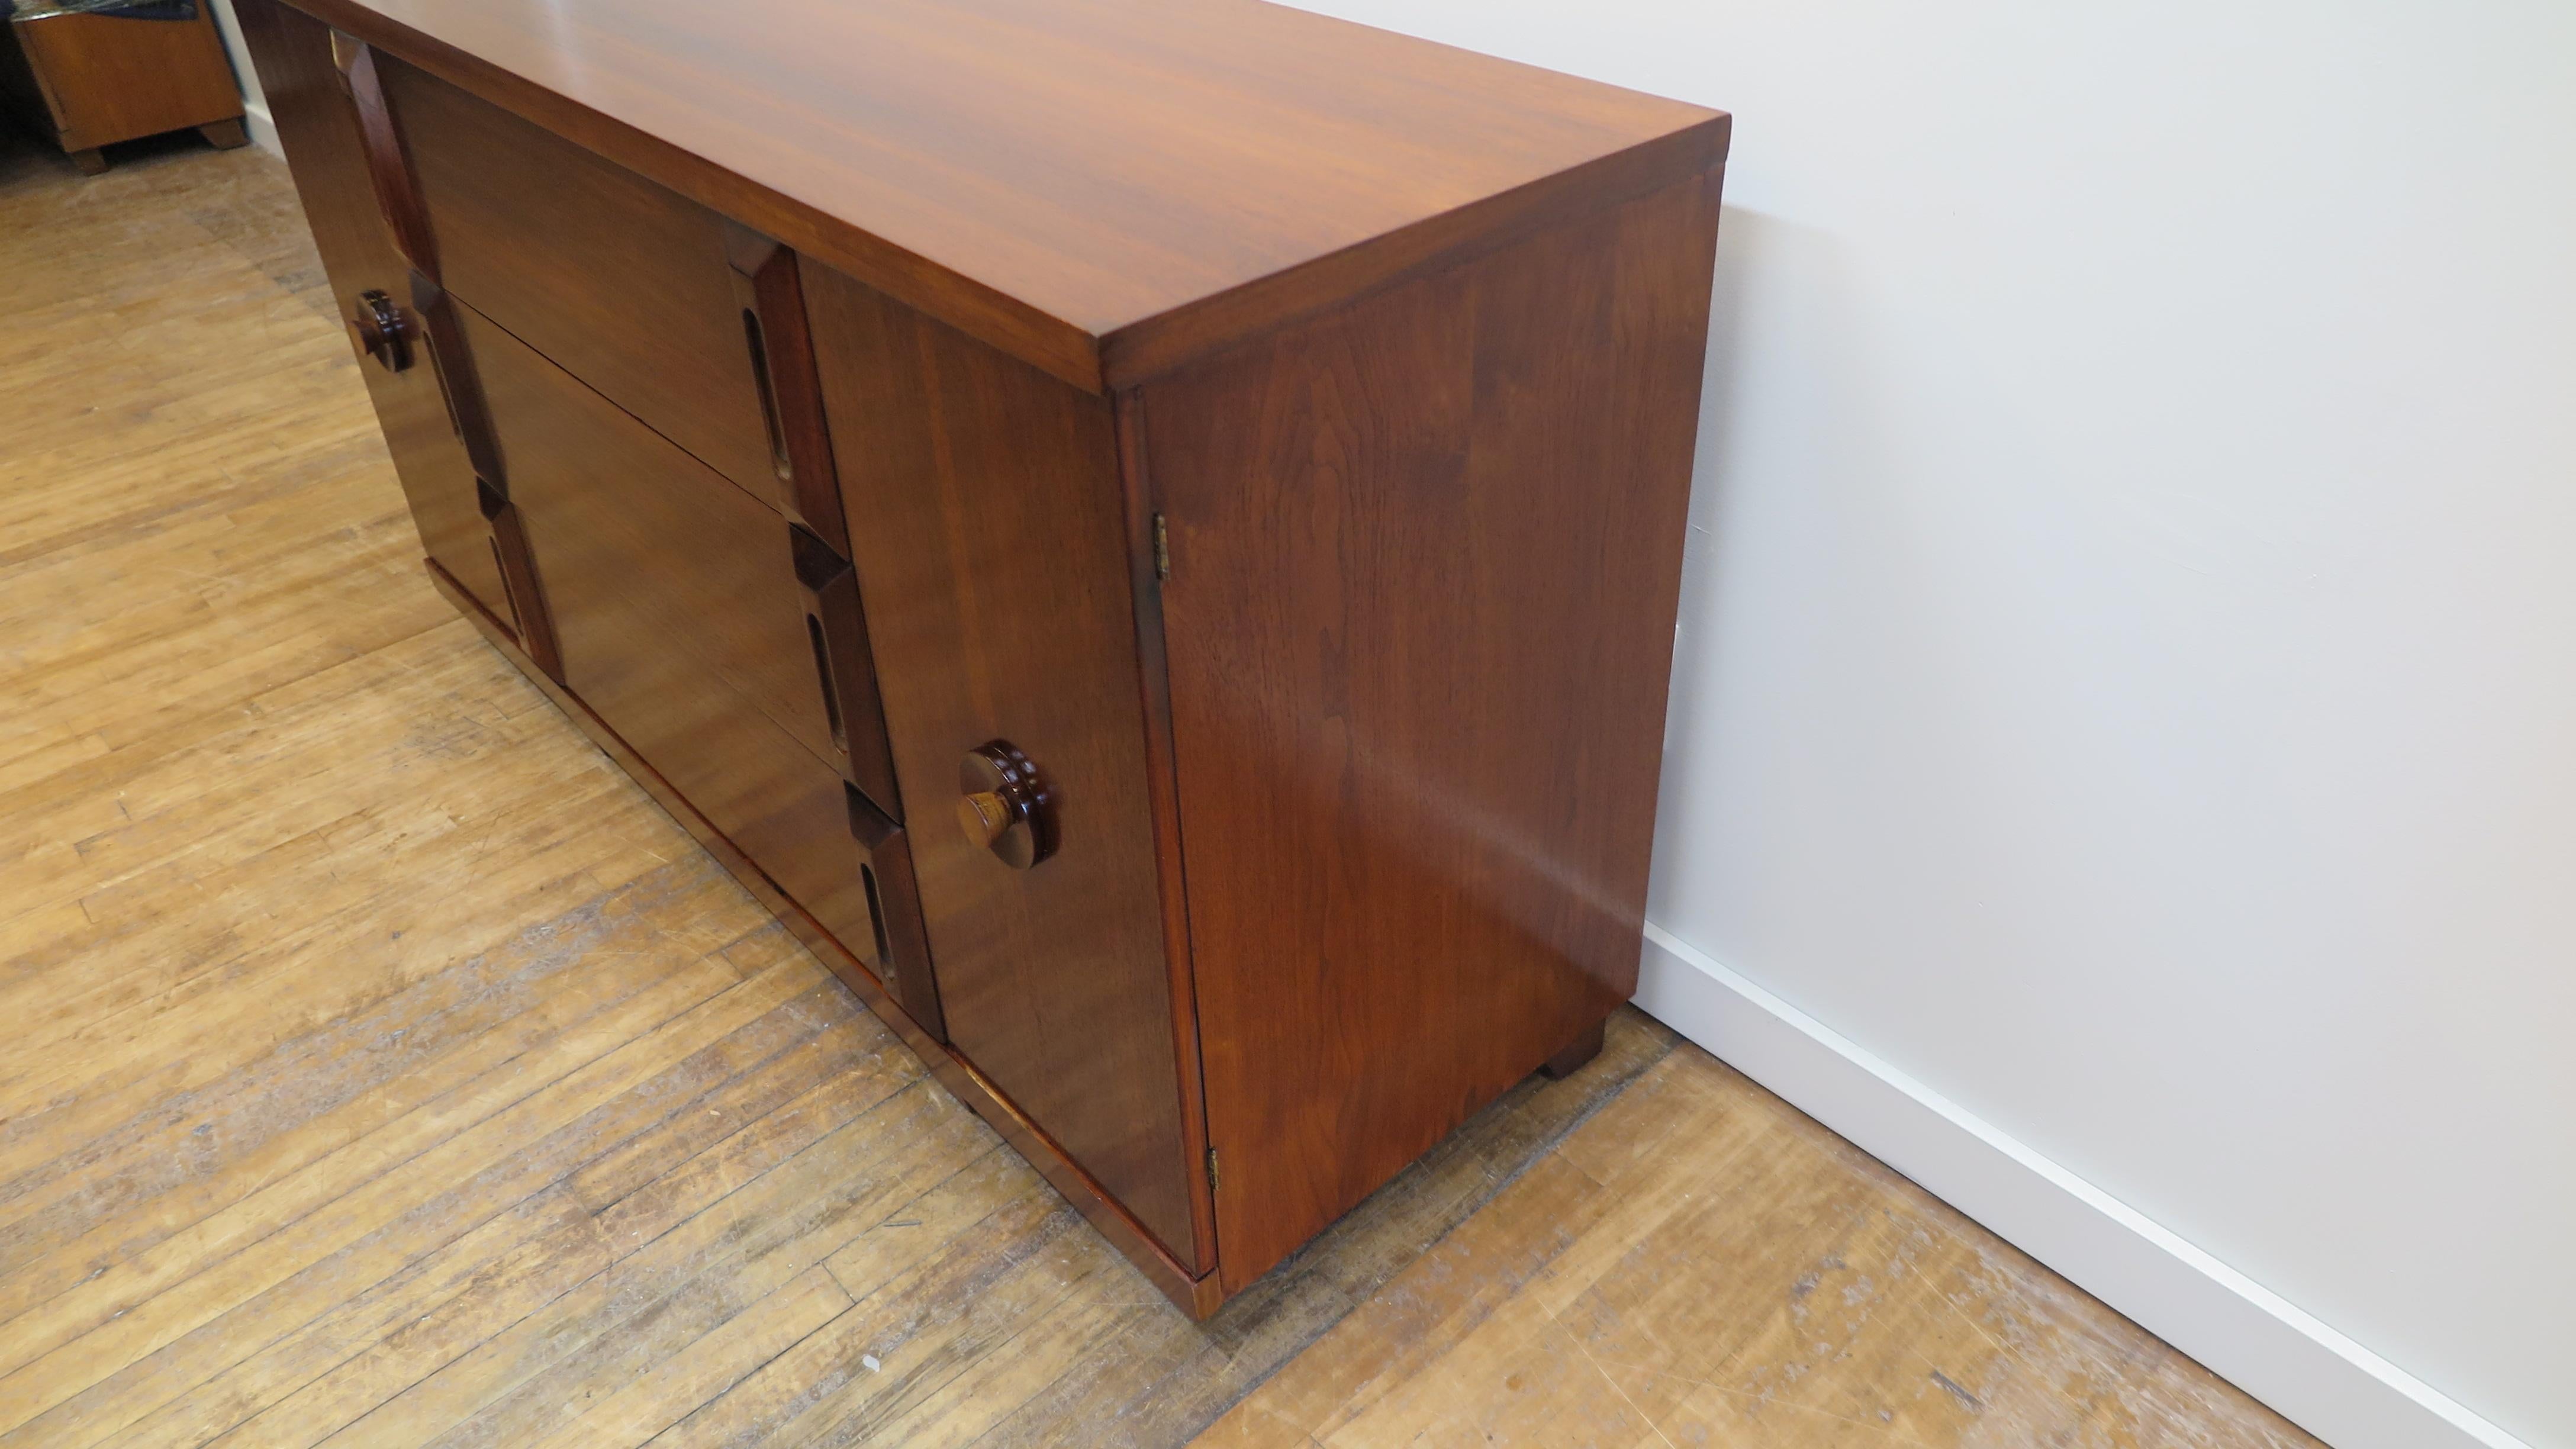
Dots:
pixel 1577 1053
pixel 89 161
pixel 224 135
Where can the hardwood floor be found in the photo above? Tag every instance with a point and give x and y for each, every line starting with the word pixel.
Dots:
pixel 383 1069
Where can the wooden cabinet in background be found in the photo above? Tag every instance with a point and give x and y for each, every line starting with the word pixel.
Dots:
pixel 90 75
pixel 1147 531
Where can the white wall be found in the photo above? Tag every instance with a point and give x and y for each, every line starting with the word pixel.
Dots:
pixel 255 115
pixel 2127 678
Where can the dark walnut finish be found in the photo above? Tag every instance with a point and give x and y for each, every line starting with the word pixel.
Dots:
pixel 680 625
pixel 489 183
pixel 1417 763
pixel 316 125
pixel 990 541
pixel 1147 531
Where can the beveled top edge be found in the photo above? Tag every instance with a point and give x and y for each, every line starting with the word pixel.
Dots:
pixel 964 156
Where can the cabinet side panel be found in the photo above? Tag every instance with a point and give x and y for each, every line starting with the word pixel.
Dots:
pixel 1425 562
pixel 319 132
pixel 988 529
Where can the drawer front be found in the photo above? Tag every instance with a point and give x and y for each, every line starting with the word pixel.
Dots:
pixel 677 610
pixel 711 573
pixel 619 281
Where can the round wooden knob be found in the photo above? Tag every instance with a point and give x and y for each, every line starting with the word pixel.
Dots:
pixel 382 331
pixel 984 816
pixel 1005 804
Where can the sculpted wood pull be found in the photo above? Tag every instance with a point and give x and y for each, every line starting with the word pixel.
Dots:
pixel 768 287
pixel 902 956
pixel 1006 807
pixel 382 331
pixel 518 565
pixel 836 626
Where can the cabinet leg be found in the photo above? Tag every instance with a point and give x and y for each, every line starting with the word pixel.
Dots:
pixel 1576 1054
pixel 89 161
pixel 224 135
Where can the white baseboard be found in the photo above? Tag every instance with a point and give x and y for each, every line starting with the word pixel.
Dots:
pixel 263 131
pixel 255 116
pixel 2326 1383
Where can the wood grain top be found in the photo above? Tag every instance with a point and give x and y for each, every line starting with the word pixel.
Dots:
pixel 1105 187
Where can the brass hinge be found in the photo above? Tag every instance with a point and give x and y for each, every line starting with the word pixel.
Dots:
pixel 1162 548
pixel 1212 1174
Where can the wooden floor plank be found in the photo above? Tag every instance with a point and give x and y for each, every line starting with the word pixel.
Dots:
pixel 98 1370
pixel 1746 1277
pixel 725 1256
pixel 505 1291
pixel 303 1148
pixel 386 1069
pixel 707 1367
pixel 350 1328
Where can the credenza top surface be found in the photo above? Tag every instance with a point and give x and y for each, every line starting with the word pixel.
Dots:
pixel 1082 165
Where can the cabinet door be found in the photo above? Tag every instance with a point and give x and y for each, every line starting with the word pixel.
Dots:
pixel 988 529
pixel 319 131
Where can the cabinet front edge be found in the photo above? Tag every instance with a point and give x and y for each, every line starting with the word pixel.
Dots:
pixel 1139 352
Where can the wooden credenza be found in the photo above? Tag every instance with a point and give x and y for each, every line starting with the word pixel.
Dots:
pixel 1147 531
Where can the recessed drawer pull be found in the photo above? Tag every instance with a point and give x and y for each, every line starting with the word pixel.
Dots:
pixel 458 384
pixel 388 168
pixel 831 689
pixel 771 293
pixel 519 579
pixel 894 908
pixel 837 629
pixel 779 462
